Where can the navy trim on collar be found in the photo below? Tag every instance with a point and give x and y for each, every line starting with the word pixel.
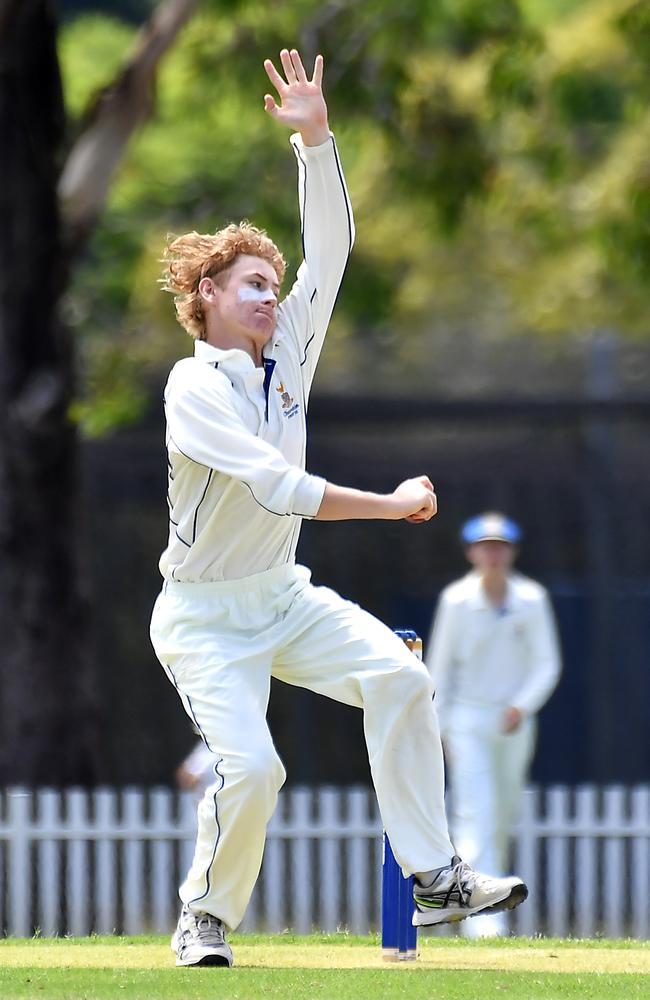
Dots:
pixel 269 365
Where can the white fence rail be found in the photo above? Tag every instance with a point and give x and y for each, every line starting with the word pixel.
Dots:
pixel 110 860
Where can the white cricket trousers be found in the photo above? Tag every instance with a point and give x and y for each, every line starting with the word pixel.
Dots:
pixel 487 771
pixel 220 643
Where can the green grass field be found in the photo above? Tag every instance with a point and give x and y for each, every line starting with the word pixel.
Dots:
pixel 326 966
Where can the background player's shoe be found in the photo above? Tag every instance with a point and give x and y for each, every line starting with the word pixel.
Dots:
pixel 458 892
pixel 200 939
pixel 485 925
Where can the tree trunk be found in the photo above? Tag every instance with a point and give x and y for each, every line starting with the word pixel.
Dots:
pixel 46 727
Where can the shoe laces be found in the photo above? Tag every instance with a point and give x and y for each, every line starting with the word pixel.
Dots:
pixel 463 878
pixel 466 879
pixel 208 929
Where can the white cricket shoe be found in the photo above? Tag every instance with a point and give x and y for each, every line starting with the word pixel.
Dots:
pixel 200 939
pixel 458 892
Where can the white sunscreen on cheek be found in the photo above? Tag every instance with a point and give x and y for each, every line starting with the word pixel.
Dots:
pixel 249 294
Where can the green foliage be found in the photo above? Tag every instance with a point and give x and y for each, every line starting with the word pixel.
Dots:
pixel 495 151
pixel 634 22
pixel 512 77
pixel 543 12
pixel 127 10
pixel 475 22
pixel 443 149
pixel 584 96
pixel 91 51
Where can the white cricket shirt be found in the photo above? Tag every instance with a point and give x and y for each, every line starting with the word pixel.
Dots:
pixel 236 434
pixel 483 656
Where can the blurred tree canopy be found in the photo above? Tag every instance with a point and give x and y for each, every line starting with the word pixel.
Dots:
pixel 496 153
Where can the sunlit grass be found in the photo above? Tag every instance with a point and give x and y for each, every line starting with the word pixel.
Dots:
pixel 332 966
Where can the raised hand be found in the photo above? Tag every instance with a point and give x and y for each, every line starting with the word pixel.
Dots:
pixel 302 105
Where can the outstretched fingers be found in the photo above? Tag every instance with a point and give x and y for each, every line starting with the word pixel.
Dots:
pixel 317 77
pixel 300 102
pixel 296 62
pixel 288 66
pixel 274 76
pixel 294 70
pixel 270 105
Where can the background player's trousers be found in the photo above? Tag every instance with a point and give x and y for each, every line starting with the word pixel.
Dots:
pixel 487 771
pixel 220 643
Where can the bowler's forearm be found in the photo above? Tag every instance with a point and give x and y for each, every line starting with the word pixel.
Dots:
pixel 342 503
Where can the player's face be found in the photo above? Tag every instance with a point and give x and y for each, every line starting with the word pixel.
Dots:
pixel 491 556
pixel 246 301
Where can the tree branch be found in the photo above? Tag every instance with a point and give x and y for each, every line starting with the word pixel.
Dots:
pixel 120 108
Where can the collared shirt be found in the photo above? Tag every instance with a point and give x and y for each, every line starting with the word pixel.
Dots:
pixel 481 655
pixel 236 433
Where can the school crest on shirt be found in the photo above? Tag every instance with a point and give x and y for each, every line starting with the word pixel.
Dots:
pixel 289 406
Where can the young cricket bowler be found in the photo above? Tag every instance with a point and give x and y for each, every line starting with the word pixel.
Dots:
pixel 235 609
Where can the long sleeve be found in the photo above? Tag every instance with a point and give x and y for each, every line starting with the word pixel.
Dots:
pixel 204 426
pixel 439 655
pixel 327 231
pixel 543 659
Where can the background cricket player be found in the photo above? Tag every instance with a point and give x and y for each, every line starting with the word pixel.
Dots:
pixel 196 771
pixel 234 608
pixel 494 659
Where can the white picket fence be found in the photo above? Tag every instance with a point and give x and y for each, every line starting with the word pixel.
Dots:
pixel 110 860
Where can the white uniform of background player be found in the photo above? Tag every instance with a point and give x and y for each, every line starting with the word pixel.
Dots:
pixel 196 772
pixel 234 608
pixel 494 660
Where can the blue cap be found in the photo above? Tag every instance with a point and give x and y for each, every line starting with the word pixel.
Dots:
pixel 491 527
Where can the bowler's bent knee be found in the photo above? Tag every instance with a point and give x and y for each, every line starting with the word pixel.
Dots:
pixel 261 772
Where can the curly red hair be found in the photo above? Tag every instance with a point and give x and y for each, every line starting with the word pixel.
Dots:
pixel 194 256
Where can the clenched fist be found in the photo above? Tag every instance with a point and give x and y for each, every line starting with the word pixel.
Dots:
pixel 414 500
